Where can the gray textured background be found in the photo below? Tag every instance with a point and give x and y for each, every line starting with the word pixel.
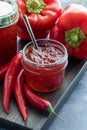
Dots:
pixel 66 2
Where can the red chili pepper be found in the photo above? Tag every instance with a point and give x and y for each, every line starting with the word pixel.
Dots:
pixel 10 79
pixel 39 102
pixel 19 95
pixel 3 70
pixel 71 30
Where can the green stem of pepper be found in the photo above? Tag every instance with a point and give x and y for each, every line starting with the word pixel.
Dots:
pixel 51 110
pixel 35 6
pixel 74 37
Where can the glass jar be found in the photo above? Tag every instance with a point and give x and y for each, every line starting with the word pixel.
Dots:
pixel 45 68
pixel 8 30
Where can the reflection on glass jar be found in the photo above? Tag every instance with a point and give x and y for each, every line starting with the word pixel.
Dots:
pixel 8 30
pixel 45 68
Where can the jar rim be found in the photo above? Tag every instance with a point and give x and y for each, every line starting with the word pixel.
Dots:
pixel 11 16
pixel 28 61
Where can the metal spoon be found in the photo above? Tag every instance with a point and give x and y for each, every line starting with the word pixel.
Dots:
pixel 29 29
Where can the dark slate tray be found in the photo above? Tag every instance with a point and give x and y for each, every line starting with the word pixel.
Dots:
pixel 38 120
pixel 7 125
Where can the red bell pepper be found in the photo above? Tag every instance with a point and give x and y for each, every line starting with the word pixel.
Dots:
pixel 42 15
pixel 23 34
pixel 71 30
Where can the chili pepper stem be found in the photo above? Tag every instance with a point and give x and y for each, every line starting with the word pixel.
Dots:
pixel 51 110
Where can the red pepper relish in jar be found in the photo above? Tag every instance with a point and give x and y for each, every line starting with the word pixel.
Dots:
pixel 45 67
pixel 8 32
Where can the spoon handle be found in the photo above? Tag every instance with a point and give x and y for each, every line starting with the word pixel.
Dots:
pixel 29 29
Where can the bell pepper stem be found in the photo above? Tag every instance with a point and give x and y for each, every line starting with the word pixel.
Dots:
pixel 35 6
pixel 74 37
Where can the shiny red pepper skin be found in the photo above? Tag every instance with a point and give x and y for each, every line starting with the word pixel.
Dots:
pixel 35 100
pixel 73 16
pixel 10 79
pixel 3 70
pixel 40 22
pixel 19 95
pixel 38 102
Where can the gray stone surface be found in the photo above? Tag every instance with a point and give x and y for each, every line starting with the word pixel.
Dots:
pixel 66 2
pixel 74 110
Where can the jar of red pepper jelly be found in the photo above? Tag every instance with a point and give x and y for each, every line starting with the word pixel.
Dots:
pixel 45 67
pixel 8 30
